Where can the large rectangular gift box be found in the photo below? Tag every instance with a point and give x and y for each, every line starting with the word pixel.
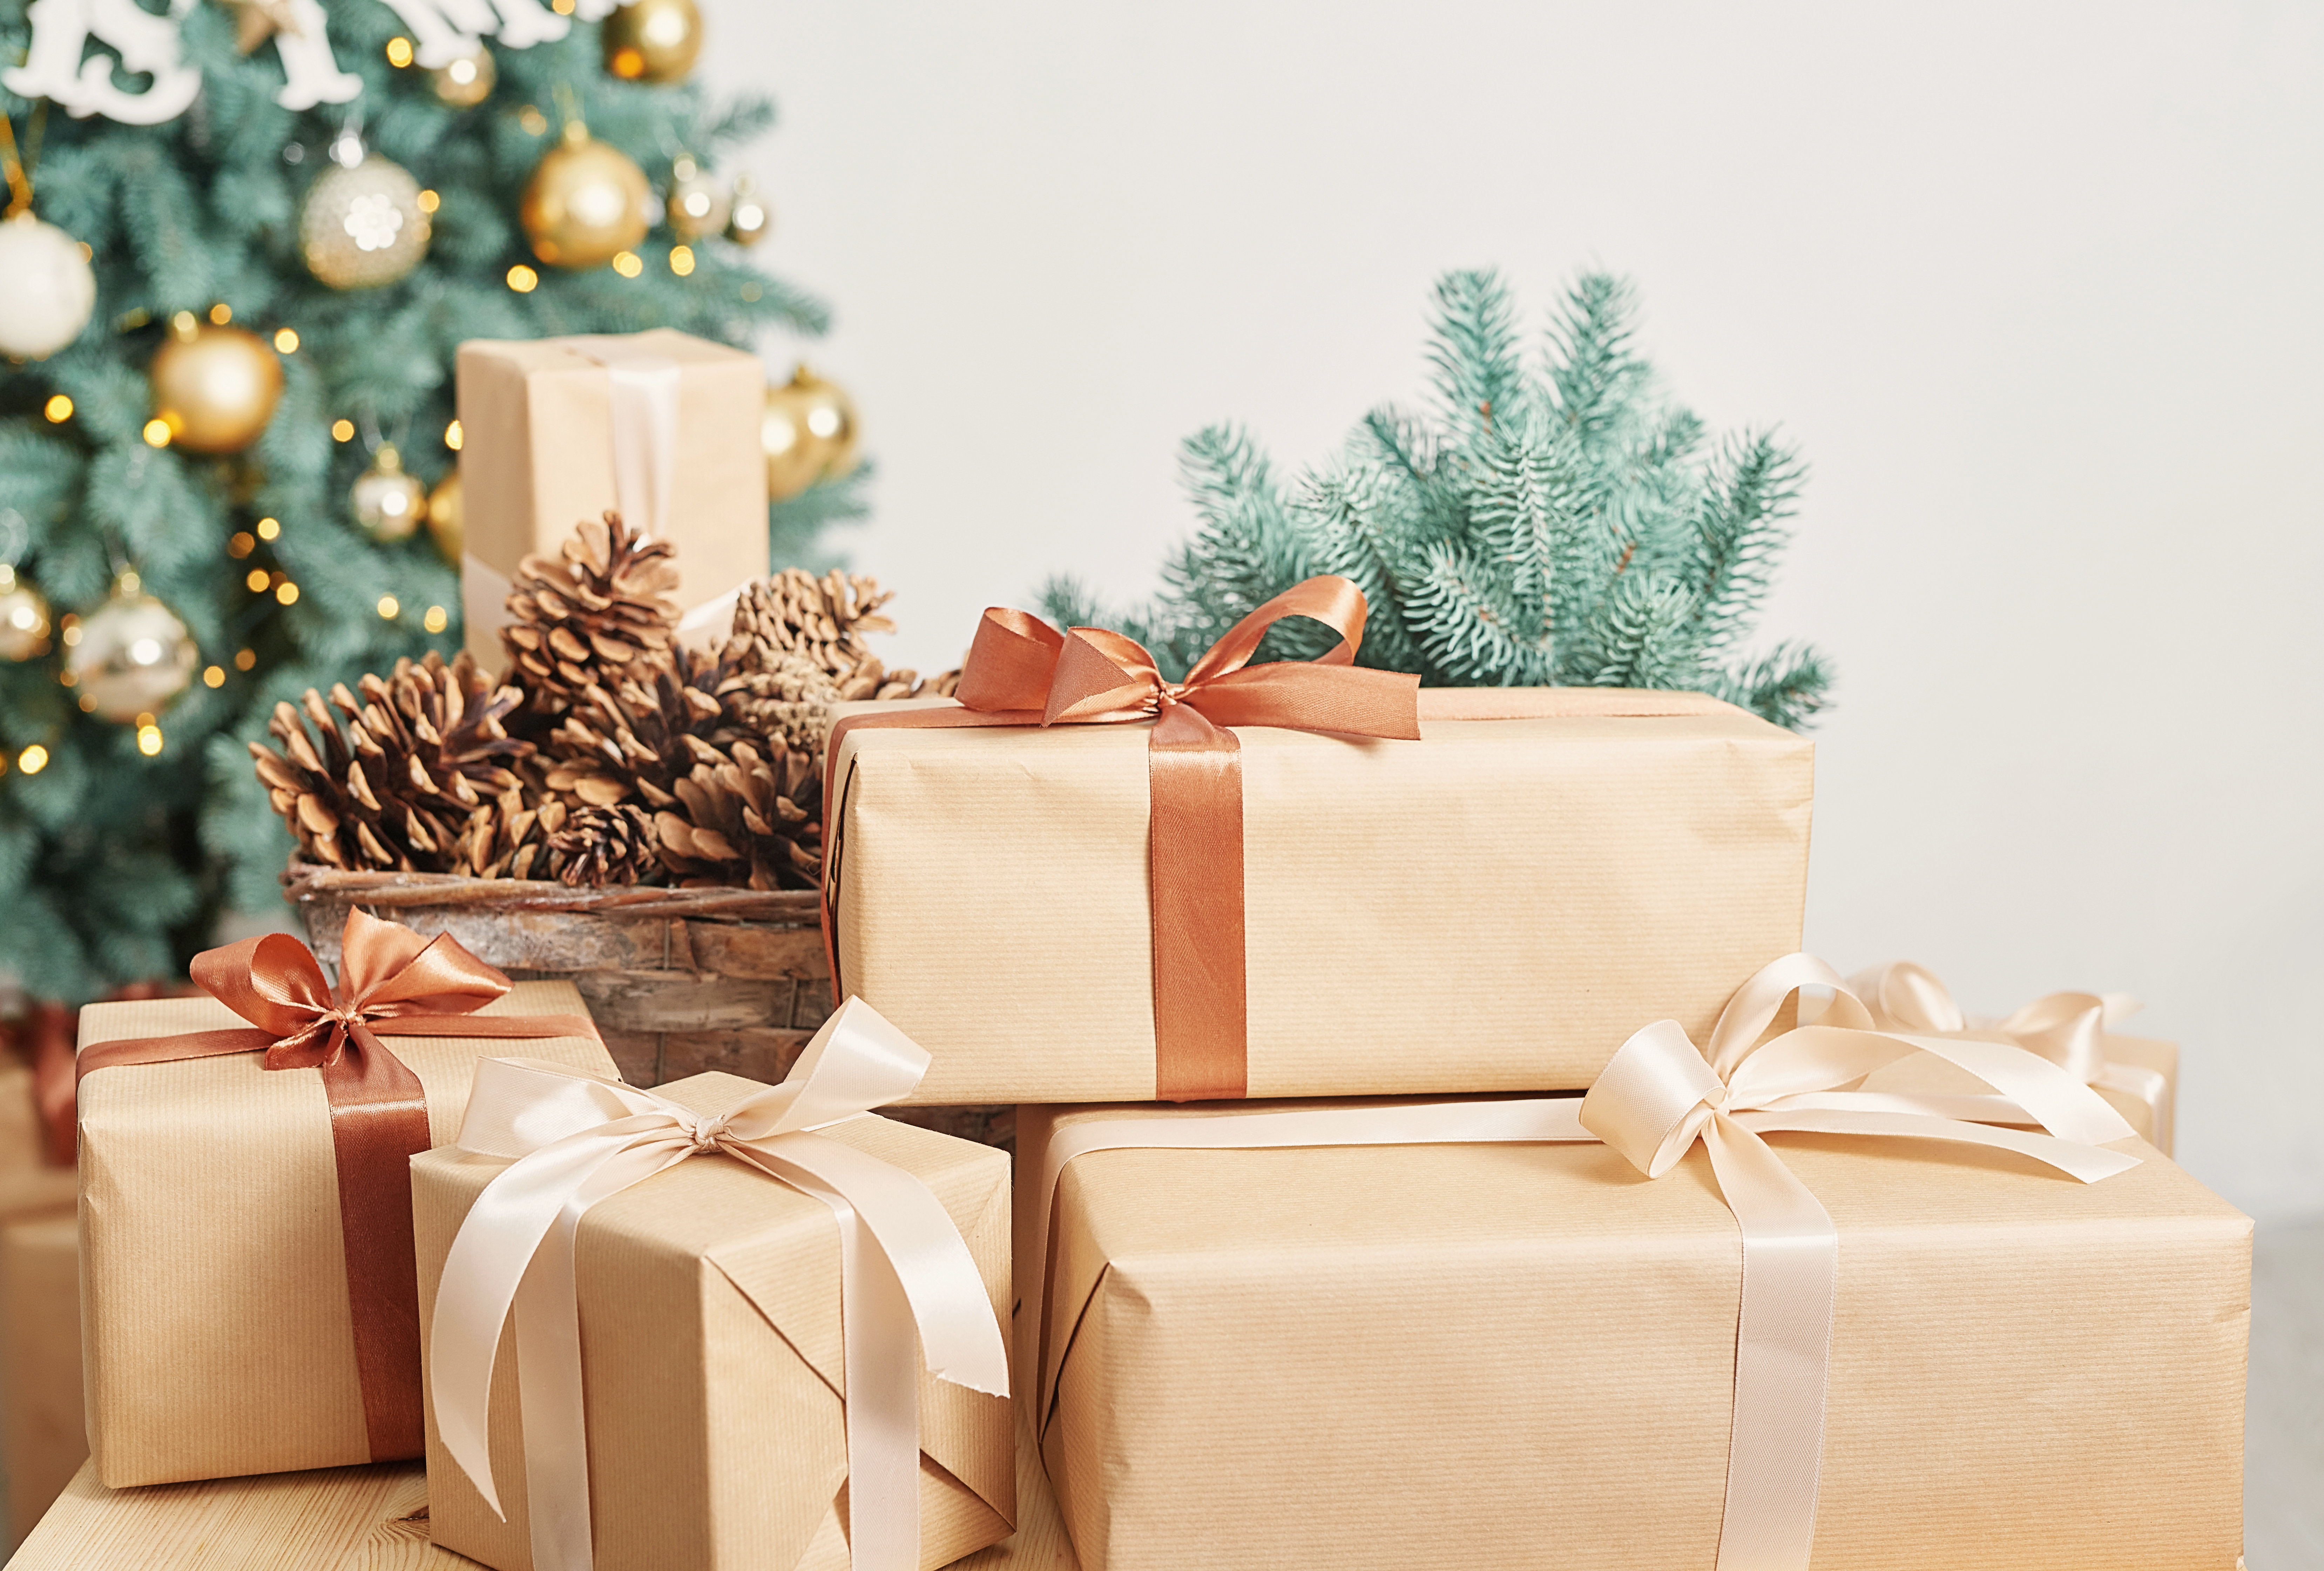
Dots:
pixel 713 1362
pixel 660 425
pixel 1514 893
pixel 218 1328
pixel 1525 1355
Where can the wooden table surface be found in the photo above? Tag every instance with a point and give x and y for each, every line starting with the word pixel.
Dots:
pixel 358 1519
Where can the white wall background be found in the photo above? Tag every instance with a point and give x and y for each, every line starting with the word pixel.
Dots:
pixel 2040 290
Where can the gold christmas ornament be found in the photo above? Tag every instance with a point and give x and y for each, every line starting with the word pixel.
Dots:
pixel 214 388
pixel 389 505
pixel 808 432
pixel 134 655
pixel 363 226
pixel 466 82
pixel 697 203
pixel 585 203
pixel 23 618
pixel 50 288
pixel 652 41
pixel 751 219
pixel 447 524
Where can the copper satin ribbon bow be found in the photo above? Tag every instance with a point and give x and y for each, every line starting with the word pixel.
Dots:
pixel 1657 1097
pixel 392 983
pixel 574 1141
pixel 1021 671
pixel 2068 1029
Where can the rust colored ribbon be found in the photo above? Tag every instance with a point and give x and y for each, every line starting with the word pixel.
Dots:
pixel 1021 671
pixel 392 983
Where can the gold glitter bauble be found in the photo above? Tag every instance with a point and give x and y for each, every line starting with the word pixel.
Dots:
pixel 751 219
pixel 652 41
pixel 23 618
pixel 585 203
pixel 466 82
pixel 697 203
pixel 389 505
pixel 446 524
pixel 364 226
pixel 808 433
pixel 50 288
pixel 214 388
pixel 134 655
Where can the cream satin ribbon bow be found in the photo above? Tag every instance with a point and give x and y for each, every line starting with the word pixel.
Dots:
pixel 2068 1029
pixel 1657 1097
pixel 576 1140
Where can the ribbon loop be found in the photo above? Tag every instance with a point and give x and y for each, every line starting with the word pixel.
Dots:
pixel 573 1141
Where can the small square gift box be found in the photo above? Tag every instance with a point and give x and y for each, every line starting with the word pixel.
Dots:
pixel 2137 1076
pixel 660 426
pixel 1297 878
pixel 249 1300
pixel 716 1325
pixel 1722 1312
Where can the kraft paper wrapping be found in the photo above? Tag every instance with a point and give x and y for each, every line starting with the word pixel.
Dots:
pixel 40 1424
pixel 1492 907
pixel 712 1363
pixel 536 458
pixel 1926 1074
pixel 1525 1356
pixel 215 1322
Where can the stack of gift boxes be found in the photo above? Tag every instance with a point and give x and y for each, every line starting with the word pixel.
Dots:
pixel 1433 1150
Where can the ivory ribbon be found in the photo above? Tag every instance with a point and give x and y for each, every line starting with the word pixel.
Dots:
pixel 392 983
pixel 1655 1099
pixel 2068 1029
pixel 574 1141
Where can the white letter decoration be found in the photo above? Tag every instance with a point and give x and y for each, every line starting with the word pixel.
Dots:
pixel 53 67
pixel 311 71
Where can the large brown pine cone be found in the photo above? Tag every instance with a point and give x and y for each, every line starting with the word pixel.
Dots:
pixel 392 780
pixel 825 619
pixel 508 836
pixel 591 615
pixel 753 818
pixel 633 740
pixel 788 700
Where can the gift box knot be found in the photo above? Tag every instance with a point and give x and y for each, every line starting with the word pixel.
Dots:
pixel 574 1141
pixel 392 983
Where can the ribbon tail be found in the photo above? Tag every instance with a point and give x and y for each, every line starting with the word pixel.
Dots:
pixel 379 1123
pixel 488 1261
pixel 1782 1354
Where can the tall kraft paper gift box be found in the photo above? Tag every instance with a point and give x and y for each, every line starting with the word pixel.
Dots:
pixel 713 1362
pixel 217 1327
pixel 1524 1355
pixel 660 425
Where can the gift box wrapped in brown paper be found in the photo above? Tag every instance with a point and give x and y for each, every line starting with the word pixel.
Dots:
pixel 219 1333
pixel 42 1443
pixel 1525 1355
pixel 712 1361
pixel 660 425
pixel 1490 908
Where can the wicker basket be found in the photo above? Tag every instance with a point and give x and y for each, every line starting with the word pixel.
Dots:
pixel 679 981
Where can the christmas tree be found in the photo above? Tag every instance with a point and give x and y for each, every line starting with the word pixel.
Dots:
pixel 287 143
pixel 1554 520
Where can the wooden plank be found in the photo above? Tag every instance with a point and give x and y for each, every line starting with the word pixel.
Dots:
pixel 636 1054
pixel 814 1005
pixel 361 1519
pixel 733 949
pixel 681 1000
pixel 337 1518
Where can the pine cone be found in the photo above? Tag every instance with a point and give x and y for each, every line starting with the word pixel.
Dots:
pixel 602 846
pixel 824 619
pixel 591 615
pixel 748 819
pixel 636 739
pixel 508 836
pixel 393 783
pixel 788 702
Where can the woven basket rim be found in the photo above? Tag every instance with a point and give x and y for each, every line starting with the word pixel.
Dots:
pixel 304 882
